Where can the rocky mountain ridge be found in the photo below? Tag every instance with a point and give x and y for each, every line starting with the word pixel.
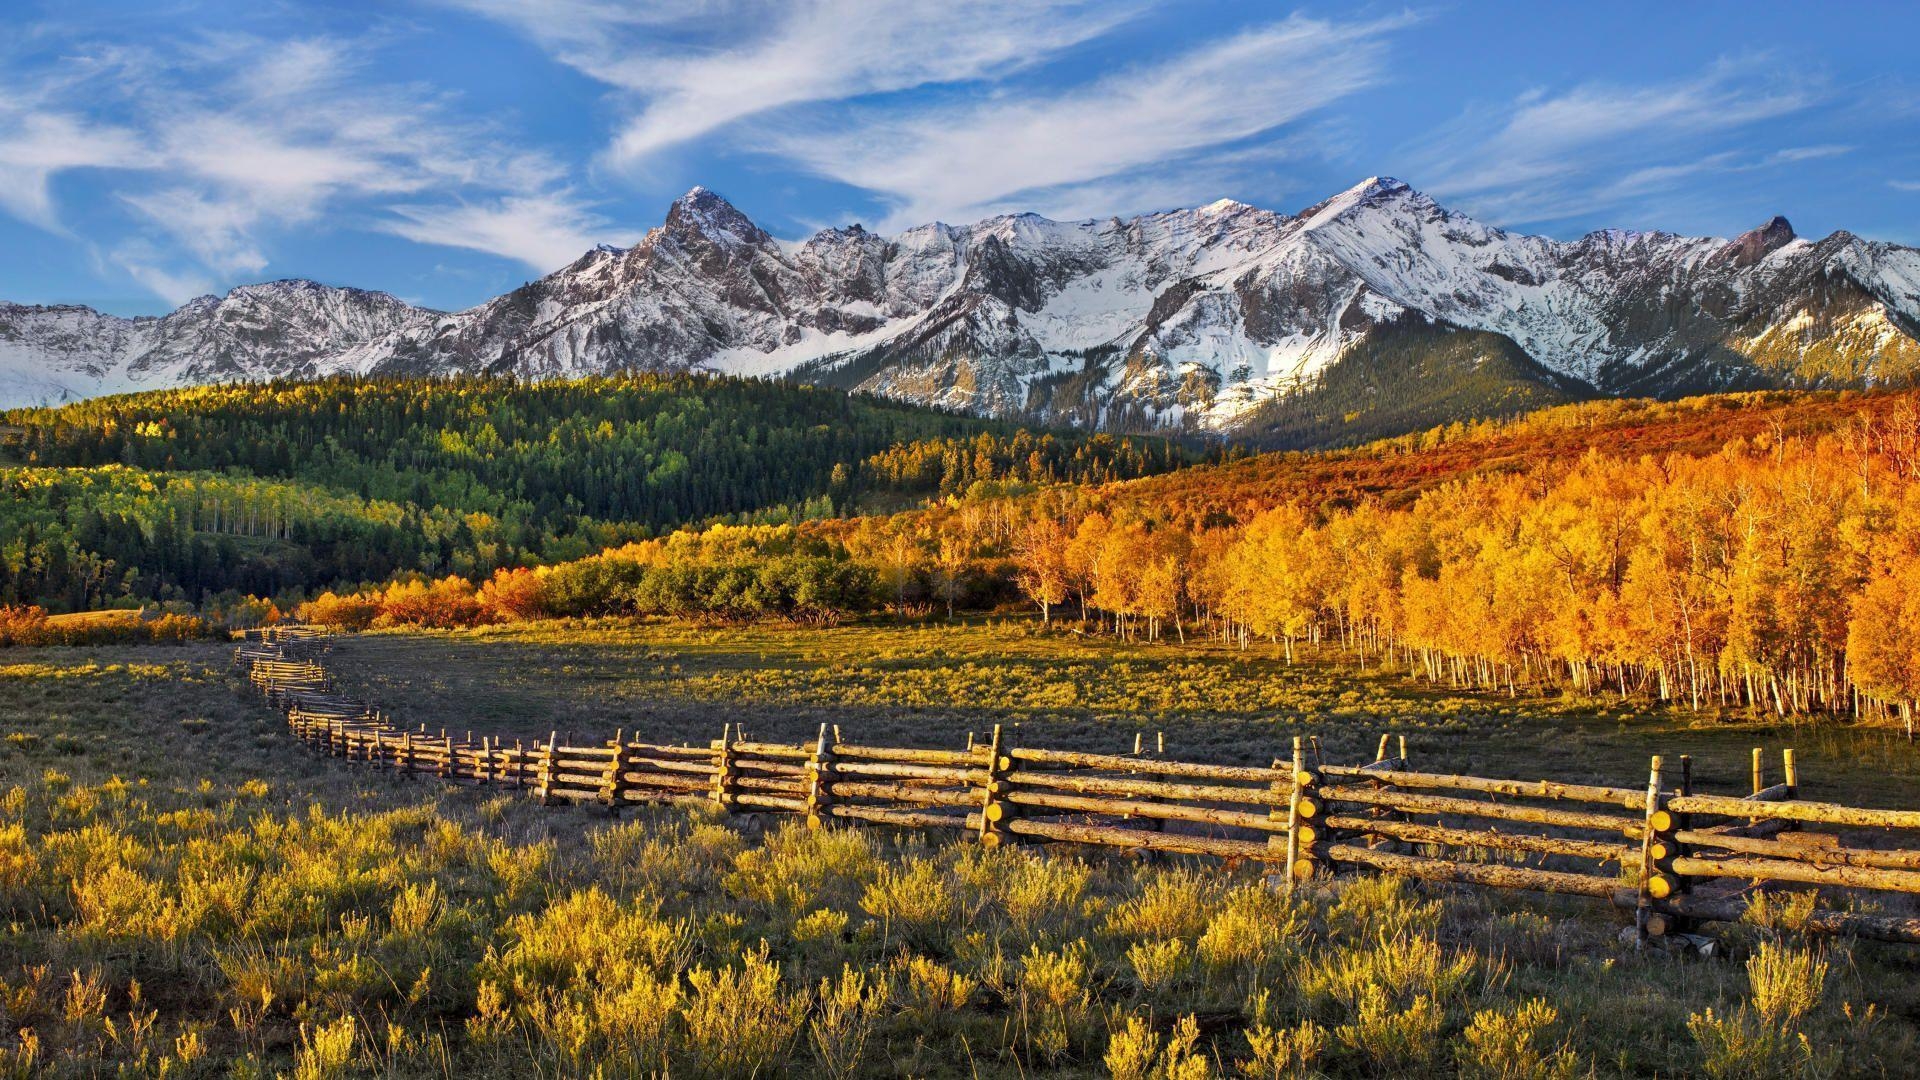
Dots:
pixel 1187 319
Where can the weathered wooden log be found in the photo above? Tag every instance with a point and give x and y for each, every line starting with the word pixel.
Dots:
pixel 1859 877
pixel 1119 785
pixel 961 758
pixel 1833 855
pixel 668 781
pixel 1819 922
pixel 1488 874
pixel 910 819
pixel 1113 836
pixel 773 750
pixel 1624 798
pixel 637 763
pixel 1158 811
pixel 1444 804
pixel 849 789
pixel 1758 830
pixel 769 768
pixel 571 795
pixel 1416 833
pixel 913 771
pixel 1125 763
pixel 770 802
pixel 702 753
pixel 780 785
pixel 656 797
pixel 1823 813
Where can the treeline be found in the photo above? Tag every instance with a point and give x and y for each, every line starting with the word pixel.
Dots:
pixel 30 626
pixel 76 539
pixel 283 489
pixel 959 466
pixel 726 571
pixel 642 450
pixel 1779 571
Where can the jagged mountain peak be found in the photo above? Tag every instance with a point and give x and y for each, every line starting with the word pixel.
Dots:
pixel 1379 185
pixel 1179 318
pixel 1375 193
pixel 1758 243
pixel 705 214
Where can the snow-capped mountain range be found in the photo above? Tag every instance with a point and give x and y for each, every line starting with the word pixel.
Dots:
pixel 1188 318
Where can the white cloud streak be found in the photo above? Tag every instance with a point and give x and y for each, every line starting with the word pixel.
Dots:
pixel 1549 156
pixel 37 145
pixel 231 141
pixel 689 71
pixel 959 161
pixel 545 231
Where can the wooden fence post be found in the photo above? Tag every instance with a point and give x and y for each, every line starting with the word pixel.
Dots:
pixel 1278 841
pixel 1663 847
pixel 819 781
pixel 723 769
pixel 1303 807
pixel 995 811
pixel 613 786
pixel 1656 839
pixel 1381 813
pixel 549 769
pixel 1153 824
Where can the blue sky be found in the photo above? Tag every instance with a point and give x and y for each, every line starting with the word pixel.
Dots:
pixel 446 150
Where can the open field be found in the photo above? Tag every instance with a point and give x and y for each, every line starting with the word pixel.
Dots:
pixel 231 906
pixel 931 684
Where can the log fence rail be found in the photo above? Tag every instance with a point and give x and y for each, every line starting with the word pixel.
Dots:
pixel 1670 856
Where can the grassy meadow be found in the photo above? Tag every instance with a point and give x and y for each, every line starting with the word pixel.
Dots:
pixel 932 683
pixel 188 894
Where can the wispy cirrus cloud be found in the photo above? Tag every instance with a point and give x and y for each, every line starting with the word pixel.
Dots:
pixel 689 69
pixel 222 143
pixel 37 145
pixel 1546 156
pixel 541 230
pixel 922 103
pixel 1137 130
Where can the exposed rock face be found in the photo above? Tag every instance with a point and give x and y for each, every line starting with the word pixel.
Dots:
pixel 280 329
pixel 1189 318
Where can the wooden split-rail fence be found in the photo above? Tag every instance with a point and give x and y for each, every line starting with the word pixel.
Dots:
pixel 1671 855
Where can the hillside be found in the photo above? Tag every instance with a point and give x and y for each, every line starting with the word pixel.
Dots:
pixel 277 489
pixel 1755 551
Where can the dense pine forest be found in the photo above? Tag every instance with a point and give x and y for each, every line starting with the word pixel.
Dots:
pixel 278 489
pixel 1408 377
